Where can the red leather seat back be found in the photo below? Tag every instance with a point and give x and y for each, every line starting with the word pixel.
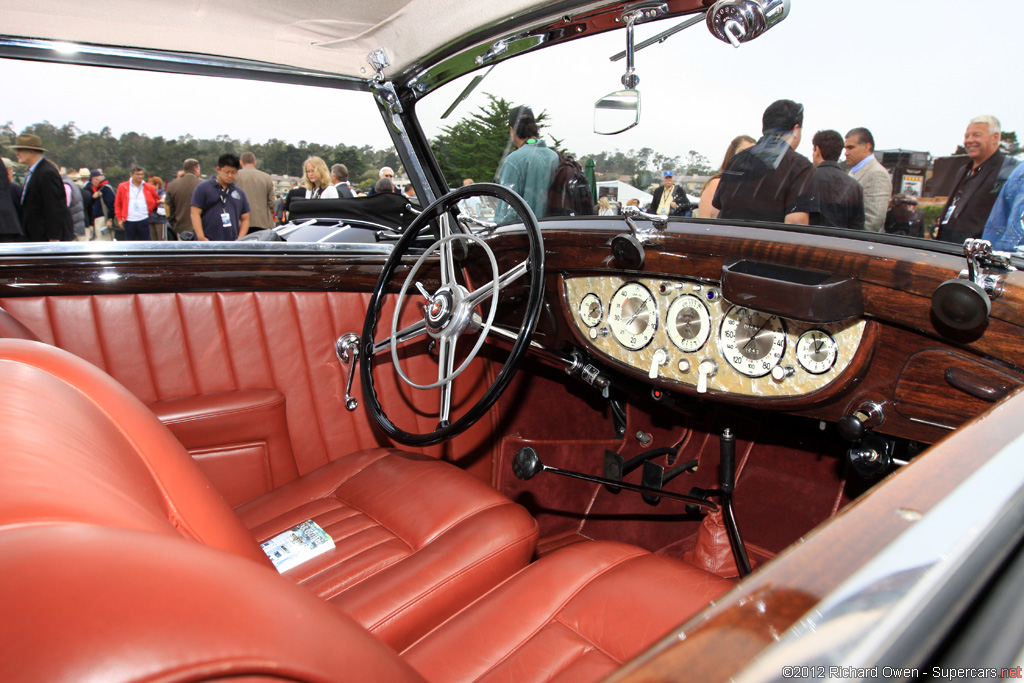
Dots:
pixel 80 449
pixel 163 346
pixel 86 603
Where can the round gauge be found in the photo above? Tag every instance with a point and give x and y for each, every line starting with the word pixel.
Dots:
pixel 816 351
pixel 688 323
pixel 752 342
pixel 633 316
pixel 590 310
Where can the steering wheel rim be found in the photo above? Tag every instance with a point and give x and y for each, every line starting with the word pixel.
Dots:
pixel 369 348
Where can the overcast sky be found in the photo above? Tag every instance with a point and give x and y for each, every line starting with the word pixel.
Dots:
pixel 913 71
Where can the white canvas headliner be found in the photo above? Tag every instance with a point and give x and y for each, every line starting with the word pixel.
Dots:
pixel 333 36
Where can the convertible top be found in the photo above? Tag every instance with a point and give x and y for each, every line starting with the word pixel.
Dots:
pixel 318 36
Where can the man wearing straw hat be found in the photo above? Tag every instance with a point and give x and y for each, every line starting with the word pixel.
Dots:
pixel 45 215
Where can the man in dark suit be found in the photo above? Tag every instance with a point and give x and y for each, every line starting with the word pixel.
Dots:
pixel 675 203
pixel 339 176
pixel 10 205
pixel 977 184
pixel 840 197
pixel 44 208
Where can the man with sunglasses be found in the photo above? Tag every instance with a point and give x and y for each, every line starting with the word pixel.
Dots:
pixel 385 172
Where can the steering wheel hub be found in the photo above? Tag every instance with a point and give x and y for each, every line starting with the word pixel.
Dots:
pixel 439 312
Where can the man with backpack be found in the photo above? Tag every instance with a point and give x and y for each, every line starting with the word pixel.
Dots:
pixel 530 169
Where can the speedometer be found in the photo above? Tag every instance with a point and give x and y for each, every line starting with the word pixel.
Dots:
pixel 752 342
pixel 633 316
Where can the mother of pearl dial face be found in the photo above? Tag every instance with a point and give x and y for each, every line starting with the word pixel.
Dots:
pixel 633 316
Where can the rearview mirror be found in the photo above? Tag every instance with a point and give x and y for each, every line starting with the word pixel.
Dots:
pixel 617 112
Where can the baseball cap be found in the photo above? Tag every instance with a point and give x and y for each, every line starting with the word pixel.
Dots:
pixel 667 174
pixel 96 173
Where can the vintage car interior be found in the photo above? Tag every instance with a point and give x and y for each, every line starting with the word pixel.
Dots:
pixel 560 449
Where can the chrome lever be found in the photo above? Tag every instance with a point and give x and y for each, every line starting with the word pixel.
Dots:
pixel 347 349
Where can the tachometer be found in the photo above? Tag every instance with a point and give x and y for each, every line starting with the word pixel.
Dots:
pixel 633 316
pixel 816 351
pixel 752 342
pixel 591 312
pixel 688 323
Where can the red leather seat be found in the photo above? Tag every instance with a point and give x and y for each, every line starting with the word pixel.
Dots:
pixel 576 614
pixel 119 562
pixel 416 538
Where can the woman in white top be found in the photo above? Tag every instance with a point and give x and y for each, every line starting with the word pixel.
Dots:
pixel 318 180
pixel 604 207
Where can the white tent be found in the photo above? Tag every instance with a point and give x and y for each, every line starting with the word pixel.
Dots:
pixel 623 192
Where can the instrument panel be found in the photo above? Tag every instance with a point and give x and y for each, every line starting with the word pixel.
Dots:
pixel 685 332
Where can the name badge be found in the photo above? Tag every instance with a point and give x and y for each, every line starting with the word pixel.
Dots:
pixel 225 219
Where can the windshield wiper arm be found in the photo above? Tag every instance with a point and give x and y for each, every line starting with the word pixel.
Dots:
pixel 465 93
pixel 660 37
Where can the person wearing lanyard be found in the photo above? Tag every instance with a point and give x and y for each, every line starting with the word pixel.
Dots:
pixel 220 211
pixel 978 182
pixel 133 203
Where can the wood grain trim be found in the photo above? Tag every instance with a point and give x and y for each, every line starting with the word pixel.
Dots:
pixel 719 643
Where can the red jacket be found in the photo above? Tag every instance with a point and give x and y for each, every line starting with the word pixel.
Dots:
pixel 121 199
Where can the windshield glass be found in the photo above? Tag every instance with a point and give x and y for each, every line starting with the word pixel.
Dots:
pixel 888 91
pixel 96 124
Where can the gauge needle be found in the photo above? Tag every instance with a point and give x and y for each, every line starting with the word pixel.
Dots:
pixel 643 305
pixel 754 336
pixel 817 344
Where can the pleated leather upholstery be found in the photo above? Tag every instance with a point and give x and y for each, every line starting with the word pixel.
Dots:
pixel 163 346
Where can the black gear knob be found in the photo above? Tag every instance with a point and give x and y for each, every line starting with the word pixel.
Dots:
pixel 526 463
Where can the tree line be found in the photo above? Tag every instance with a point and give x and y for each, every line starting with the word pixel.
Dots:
pixel 471 148
pixel 74 149
pixel 474 147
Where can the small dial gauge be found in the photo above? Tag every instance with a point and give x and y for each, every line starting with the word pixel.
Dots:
pixel 752 342
pixel 816 351
pixel 591 311
pixel 633 316
pixel 688 323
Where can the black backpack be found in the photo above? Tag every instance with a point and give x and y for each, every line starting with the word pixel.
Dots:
pixel 570 193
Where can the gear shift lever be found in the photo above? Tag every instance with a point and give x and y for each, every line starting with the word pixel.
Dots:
pixel 727 475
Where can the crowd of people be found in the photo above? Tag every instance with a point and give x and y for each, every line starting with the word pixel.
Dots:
pixel 54 205
pixel 767 180
pixel 759 180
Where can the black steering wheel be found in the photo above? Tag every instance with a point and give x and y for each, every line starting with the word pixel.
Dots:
pixel 450 312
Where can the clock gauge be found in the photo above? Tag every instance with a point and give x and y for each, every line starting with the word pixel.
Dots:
pixel 816 351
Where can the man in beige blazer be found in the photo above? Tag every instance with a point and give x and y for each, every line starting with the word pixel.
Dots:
pixel 872 176
pixel 259 188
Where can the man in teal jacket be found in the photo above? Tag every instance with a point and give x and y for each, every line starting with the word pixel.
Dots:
pixel 528 170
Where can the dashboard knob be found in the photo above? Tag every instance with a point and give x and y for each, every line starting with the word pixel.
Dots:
pixel 705 371
pixel 854 427
pixel 660 358
pixel 684 365
pixel 780 372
